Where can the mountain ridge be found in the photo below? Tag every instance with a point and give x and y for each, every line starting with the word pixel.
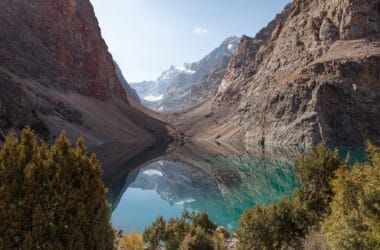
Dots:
pixel 175 84
pixel 301 87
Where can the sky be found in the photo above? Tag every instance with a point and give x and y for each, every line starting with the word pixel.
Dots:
pixel 146 37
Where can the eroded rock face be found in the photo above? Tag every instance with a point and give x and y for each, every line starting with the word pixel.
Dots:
pixel 131 93
pixel 56 74
pixel 315 79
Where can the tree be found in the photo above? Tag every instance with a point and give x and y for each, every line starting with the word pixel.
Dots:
pixel 273 227
pixel 155 233
pixel 190 231
pixel 51 198
pixel 175 231
pixel 315 172
pixel 354 222
pixel 287 223
pixel 197 239
pixel 201 220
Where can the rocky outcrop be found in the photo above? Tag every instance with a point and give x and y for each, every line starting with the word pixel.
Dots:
pixel 315 79
pixel 131 93
pixel 56 74
pixel 207 86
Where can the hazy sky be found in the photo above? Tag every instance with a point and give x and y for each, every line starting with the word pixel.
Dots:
pixel 147 36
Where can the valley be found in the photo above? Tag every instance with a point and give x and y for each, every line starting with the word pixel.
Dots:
pixel 248 128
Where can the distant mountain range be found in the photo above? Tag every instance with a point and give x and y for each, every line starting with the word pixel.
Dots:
pixel 178 87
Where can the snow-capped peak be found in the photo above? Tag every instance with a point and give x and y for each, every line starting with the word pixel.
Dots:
pixel 185 70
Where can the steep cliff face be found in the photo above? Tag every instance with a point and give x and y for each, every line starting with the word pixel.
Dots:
pixel 56 73
pixel 315 79
pixel 131 93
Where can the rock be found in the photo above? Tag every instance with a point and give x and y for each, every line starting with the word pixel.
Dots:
pixel 56 74
pixel 131 93
pixel 328 31
pixel 297 86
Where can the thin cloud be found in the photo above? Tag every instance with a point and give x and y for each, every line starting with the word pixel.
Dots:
pixel 200 31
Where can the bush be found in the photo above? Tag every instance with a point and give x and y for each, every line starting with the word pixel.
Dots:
pixel 155 233
pixel 218 238
pixel 354 222
pixel 190 231
pixel 201 220
pixel 315 172
pixel 175 231
pixel 346 200
pixel 51 198
pixel 132 241
pixel 287 223
pixel 273 227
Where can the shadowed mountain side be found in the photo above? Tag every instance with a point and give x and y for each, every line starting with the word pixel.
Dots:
pixel 131 93
pixel 56 74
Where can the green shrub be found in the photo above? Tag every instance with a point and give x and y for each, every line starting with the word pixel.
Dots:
pixel 346 200
pixel 315 172
pixel 201 220
pixel 354 222
pixel 273 227
pixel 190 231
pixel 155 233
pixel 132 241
pixel 287 223
pixel 51 198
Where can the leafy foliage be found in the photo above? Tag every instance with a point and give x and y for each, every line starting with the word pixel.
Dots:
pixel 51 198
pixel 155 233
pixel 315 172
pixel 346 201
pixel 287 223
pixel 355 219
pixel 132 241
pixel 273 227
pixel 190 231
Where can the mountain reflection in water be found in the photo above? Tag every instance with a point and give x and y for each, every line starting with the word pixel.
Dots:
pixel 221 179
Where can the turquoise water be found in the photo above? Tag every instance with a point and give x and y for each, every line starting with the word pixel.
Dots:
pixel 222 180
pixel 223 183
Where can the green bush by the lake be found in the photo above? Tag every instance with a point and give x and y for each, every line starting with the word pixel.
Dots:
pixel 343 201
pixel 54 198
pixel 51 197
pixel 190 231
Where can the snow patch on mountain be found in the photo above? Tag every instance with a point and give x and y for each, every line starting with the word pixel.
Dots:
pixel 152 98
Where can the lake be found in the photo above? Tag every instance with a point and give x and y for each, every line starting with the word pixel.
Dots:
pixel 220 179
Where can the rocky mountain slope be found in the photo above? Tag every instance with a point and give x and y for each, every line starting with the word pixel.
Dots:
pixel 131 93
pixel 179 87
pixel 316 78
pixel 152 92
pixel 56 74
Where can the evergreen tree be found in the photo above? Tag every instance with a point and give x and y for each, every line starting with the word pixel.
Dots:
pixel 273 227
pixel 190 231
pixel 155 233
pixel 315 172
pixel 51 198
pixel 354 222
pixel 287 223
